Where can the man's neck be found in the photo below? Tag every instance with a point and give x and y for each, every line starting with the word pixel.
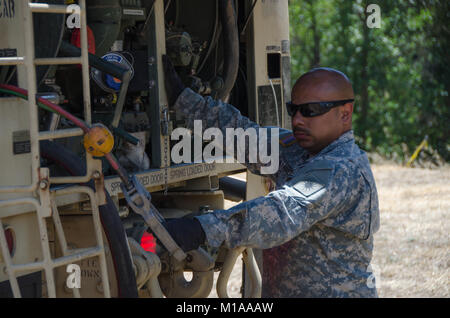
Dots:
pixel 314 152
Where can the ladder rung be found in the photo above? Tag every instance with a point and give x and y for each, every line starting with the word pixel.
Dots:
pixel 76 255
pixel 57 60
pixel 12 60
pixel 61 133
pixel 70 179
pixel 48 8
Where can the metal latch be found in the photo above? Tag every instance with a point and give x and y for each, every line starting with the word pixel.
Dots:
pixel 165 122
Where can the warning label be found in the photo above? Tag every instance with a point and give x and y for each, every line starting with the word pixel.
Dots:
pixel 21 142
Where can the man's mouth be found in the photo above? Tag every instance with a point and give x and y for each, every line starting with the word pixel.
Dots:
pixel 300 133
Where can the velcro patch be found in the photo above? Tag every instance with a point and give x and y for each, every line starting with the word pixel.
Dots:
pixel 288 140
pixel 313 180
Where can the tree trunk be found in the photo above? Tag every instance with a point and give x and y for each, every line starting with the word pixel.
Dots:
pixel 364 93
pixel 315 62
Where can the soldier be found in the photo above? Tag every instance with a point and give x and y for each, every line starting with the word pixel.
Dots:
pixel 316 228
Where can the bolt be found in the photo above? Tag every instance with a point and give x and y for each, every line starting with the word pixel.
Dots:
pixel 151 60
pixel 96 175
pixel 123 212
pixel 43 184
pixel 151 84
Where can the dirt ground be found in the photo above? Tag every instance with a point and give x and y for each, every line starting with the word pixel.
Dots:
pixel 412 248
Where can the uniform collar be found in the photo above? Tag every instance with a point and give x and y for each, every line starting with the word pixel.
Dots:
pixel 346 138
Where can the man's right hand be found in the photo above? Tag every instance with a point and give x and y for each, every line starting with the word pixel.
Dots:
pixel 174 85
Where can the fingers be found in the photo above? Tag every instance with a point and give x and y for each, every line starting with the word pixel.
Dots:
pixel 187 233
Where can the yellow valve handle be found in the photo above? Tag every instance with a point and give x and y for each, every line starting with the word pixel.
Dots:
pixel 98 141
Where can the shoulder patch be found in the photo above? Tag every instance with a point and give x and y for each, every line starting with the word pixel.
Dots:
pixel 308 188
pixel 313 180
pixel 287 140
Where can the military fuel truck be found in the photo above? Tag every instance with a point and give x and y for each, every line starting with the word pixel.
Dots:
pixel 87 178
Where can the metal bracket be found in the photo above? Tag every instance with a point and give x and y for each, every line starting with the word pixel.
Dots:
pixel 99 187
pixel 45 210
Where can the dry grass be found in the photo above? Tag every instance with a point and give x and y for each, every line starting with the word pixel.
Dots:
pixel 411 249
pixel 412 246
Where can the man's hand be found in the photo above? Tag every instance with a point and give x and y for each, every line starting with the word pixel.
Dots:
pixel 173 83
pixel 187 233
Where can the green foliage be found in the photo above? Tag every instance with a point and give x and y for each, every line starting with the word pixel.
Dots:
pixel 400 72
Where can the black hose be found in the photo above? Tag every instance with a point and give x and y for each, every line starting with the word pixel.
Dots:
pixel 230 47
pixel 233 189
pixel 109 216
pixel 115 70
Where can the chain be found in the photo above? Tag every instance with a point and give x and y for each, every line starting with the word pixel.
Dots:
pixel 166 167
pixel 166 148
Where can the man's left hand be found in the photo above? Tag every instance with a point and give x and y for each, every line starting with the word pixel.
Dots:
pixel 187 233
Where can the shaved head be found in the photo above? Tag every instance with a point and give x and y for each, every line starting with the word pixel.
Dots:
pixel 322 85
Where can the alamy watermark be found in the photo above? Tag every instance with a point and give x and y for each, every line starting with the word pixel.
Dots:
pixel 374 19
pixel 261 141
pixel 74 278
pixel 73 20
pixel 374 278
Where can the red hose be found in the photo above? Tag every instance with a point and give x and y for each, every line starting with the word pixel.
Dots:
pixel 78 122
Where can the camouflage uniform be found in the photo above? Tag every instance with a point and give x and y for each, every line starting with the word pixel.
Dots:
pixel 316 228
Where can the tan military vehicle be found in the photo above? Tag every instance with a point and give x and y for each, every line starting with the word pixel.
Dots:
pixel 87 175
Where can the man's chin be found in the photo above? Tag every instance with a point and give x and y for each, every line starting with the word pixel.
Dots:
pixel 305 143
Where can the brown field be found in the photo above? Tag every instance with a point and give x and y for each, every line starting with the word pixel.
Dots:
pixel 412 248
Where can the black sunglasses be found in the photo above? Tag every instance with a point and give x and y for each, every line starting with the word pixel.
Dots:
pixel 314 108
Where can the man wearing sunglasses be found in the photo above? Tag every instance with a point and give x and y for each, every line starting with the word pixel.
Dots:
pixel 316 228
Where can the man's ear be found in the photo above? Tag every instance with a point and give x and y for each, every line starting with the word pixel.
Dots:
pixel 346 113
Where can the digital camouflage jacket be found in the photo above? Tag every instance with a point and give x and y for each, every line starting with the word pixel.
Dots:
pixel 316 228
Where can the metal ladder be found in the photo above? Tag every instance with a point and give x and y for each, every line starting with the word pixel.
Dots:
pixel 45 205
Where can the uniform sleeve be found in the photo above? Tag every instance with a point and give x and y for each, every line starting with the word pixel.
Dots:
pixel 280 216
pixel 220 115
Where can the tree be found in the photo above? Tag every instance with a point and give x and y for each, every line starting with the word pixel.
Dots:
pixel 400 72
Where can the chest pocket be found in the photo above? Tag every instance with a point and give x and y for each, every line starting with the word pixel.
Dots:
pixel 374 208
pixel 357 214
